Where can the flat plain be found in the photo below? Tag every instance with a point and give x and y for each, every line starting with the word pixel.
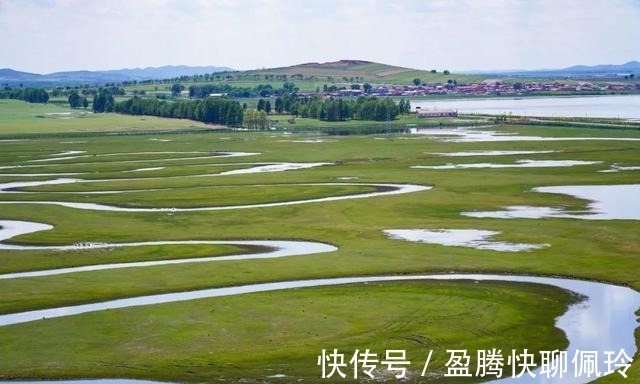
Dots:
pixel 254 336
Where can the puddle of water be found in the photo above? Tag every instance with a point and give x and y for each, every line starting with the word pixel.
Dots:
pixel 618 168
pixel 61 156
pixel 489 153
pixel 604 321
pixel 5 187
pixel 608 202
pixel 146 169
pixel 275 167
pixel 472 238
pixel 517 164
pixel 518 212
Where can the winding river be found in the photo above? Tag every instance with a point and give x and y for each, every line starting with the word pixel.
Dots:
pixel 277 248
pixel 605 320
pixel 384 190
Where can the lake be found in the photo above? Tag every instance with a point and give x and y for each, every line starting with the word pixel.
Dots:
pixel 618 106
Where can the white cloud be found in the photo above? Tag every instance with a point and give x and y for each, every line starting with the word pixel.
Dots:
pixel 52 35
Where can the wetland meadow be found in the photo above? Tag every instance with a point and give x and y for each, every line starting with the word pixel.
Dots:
pixel 238 256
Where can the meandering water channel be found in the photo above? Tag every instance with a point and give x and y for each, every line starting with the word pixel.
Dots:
pixel 604 320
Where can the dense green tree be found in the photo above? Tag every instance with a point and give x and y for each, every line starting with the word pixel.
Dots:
pixel 289 87
pixel 416 82
pixel 279 105
pixel 74 99
pixel 177 88
pixel 254 119
pixel 407 106
pixel 103 101
pixel 336 109
pixel 215 110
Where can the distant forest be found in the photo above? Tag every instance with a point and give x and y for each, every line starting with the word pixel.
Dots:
pixel 30 95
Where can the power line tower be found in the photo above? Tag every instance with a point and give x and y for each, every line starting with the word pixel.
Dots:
pixel 388 123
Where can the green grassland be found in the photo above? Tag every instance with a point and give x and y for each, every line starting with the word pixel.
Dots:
pixel 269 333
pixel 250 337
pixel 375 73
pixel 20 118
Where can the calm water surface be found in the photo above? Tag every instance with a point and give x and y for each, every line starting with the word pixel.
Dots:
pixel 619 106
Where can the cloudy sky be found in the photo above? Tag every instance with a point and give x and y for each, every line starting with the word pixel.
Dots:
pixel 52 35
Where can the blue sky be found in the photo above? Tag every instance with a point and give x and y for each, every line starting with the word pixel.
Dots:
pixel 52 35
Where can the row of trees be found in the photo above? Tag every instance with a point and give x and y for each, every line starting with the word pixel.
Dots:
pixel 336 109
pixel 265 105
pixel 261 90
pixel 103 101
pixel 255 119
pixel 215 110
pixel 31 95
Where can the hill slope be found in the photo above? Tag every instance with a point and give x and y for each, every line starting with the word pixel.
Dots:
pixel 364 70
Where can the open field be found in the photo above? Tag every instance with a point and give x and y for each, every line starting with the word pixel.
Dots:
pixel 253 336
pixel 19 118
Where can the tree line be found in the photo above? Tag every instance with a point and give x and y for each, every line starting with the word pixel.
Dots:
pixel 261 90
pixel 337 109
pixel 215 110
pixel 30 95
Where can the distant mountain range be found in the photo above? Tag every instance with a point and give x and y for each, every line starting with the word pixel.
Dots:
pixel 353 70
pixel 574 71
pixel 608 68
pixel 13 77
